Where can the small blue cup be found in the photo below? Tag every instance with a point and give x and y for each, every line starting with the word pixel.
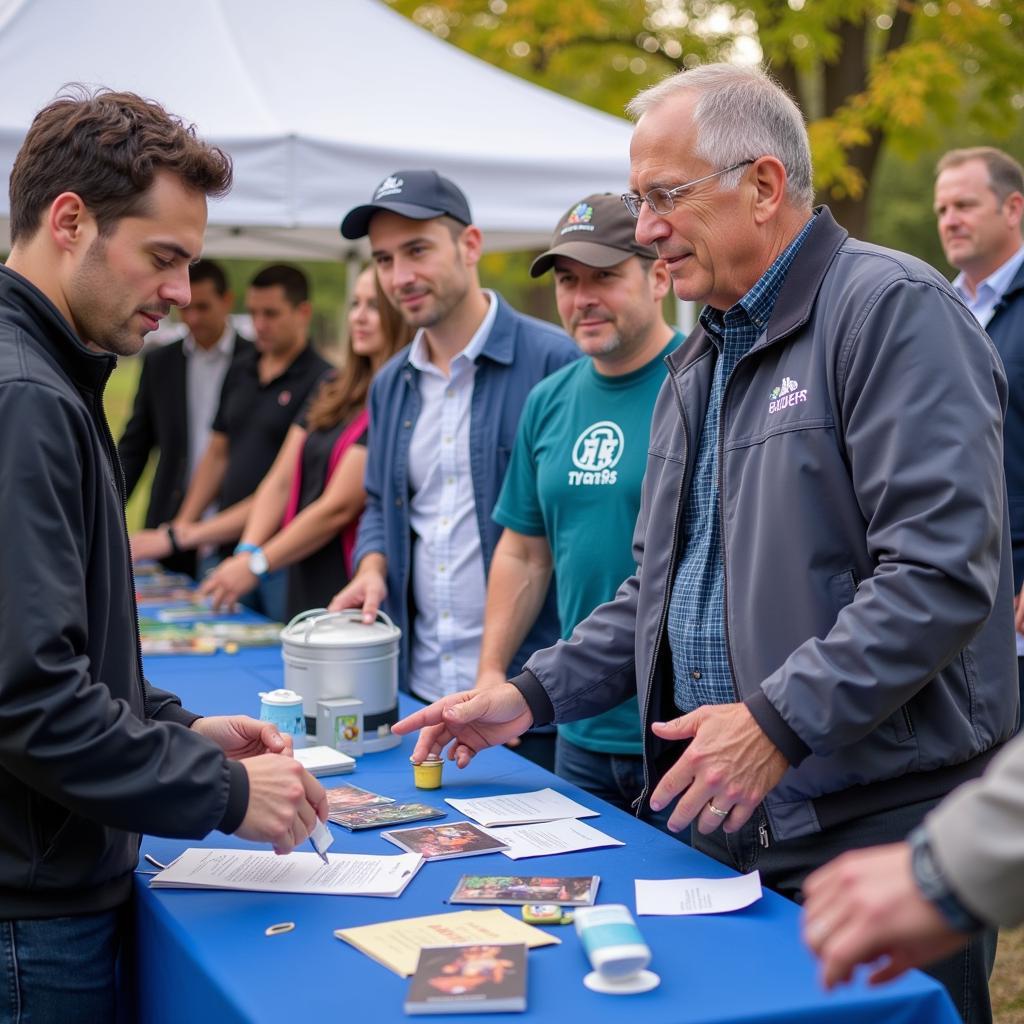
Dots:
pixel 284 709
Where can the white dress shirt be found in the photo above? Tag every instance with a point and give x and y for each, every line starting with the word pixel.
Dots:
pixel 204 375
pixel 990 290
pixel 448 577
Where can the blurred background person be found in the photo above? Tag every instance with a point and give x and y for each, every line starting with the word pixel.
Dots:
pixel 305 512
pixel 179 388
pixel 262 395
pixel 979 202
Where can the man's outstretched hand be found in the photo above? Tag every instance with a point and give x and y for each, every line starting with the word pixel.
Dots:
pixel 471 721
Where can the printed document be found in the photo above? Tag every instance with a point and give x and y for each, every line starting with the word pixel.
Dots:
pixel 521 808
pixel 551 837
pixel 258 871
pixel 697 895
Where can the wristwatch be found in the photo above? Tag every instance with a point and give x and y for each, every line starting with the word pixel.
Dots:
pixel 934 887
pixel 258 564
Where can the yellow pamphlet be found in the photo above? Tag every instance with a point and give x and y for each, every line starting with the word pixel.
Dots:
pixel 397 944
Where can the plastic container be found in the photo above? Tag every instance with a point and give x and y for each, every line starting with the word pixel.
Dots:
pixel 284 709
pixel 616 950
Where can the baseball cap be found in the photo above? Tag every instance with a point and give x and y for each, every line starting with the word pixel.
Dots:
pixel 418 195
pixel 598 231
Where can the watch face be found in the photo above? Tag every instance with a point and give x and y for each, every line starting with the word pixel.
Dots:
pixel 257 563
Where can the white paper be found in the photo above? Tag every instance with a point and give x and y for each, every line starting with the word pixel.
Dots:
pixel 1020 645
pixel 678 896
pixel 258 871
pixel 521 808
pixel 550 837
pixel 324 760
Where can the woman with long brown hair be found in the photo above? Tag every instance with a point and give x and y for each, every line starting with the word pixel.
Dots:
pixel 306 510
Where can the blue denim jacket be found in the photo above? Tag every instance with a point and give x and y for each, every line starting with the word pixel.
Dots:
pixel 519 352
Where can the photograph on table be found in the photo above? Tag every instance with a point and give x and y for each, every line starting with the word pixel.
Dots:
pixel 444 842
pixel 345 798
pixel 379 815
pixel 517 890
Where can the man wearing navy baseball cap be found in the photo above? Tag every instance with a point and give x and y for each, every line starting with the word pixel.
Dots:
pixel 443 419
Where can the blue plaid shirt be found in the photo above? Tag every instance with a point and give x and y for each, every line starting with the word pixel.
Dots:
pixel 696 612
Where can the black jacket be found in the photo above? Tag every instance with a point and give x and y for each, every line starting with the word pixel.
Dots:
pixel 90 754
pixel 160 420
pixel 1006 329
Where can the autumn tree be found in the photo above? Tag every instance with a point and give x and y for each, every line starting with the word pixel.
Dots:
pixel 866 72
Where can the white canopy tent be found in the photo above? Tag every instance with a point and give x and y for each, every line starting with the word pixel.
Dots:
pixel 316 100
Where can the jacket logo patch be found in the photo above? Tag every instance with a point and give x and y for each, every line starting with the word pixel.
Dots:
pixel 786 394
pixel 595 454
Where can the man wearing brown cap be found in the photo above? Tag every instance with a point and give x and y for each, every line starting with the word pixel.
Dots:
pixel 572 491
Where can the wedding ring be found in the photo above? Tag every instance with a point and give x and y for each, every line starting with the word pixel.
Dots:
pixel 715 811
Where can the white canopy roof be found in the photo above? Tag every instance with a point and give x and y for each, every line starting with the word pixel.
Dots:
pixel 316 100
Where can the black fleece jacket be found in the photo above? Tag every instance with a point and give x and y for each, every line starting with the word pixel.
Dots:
pixel 90 754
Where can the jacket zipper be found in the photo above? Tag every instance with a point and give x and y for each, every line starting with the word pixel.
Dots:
pixel 644 723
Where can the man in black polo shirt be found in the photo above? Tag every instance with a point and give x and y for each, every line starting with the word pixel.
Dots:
pixel 177 398
pixel 263 393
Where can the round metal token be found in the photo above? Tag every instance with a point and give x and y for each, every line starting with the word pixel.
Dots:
pixel 280 929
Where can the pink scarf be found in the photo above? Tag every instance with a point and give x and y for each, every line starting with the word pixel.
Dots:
pixel 346 439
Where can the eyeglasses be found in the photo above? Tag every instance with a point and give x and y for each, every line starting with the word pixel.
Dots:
pixel 663 200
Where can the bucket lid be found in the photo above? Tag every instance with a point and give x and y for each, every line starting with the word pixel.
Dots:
pixel 321 628
pixel 284 697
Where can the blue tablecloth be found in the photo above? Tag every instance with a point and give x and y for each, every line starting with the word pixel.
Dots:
pixel 203 956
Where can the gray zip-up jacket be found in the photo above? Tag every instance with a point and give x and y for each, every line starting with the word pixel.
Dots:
pixel 868 583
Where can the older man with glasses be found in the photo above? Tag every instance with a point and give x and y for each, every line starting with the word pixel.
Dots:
pixel 820 627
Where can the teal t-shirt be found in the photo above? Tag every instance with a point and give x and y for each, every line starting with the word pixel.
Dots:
pixel 575 477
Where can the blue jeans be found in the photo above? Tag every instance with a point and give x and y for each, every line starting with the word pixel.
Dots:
pixel 784 864
pixel 59 970
pixel 617 778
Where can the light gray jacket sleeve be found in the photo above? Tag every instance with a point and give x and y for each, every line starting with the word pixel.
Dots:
pixel 977 837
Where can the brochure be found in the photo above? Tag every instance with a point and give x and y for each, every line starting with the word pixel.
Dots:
pixel 396 945
pixel 488 978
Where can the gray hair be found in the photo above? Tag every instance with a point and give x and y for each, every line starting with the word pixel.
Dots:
pixel 741 113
